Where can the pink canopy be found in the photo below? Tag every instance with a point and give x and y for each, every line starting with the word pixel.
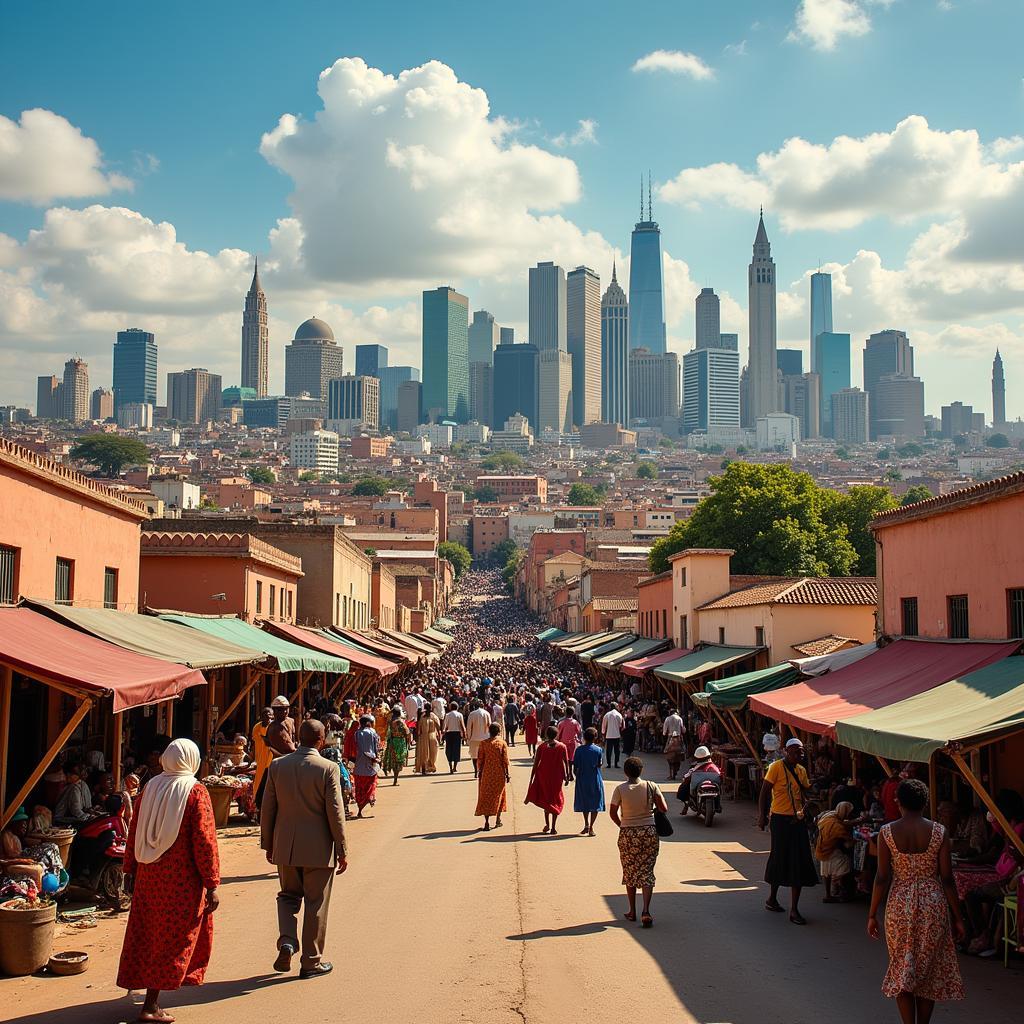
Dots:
pixel 318 642
pixel 641 666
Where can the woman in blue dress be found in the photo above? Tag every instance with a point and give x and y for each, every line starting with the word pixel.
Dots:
pixel 589 796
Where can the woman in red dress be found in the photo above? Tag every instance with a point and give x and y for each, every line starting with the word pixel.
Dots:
pixel 172 854
pixel 550 773
pixel 530 729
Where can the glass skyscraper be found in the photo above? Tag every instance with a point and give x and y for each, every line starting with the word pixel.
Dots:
pixel 390 377
pixel 646 293
pixel 821 309
pixel 830 357
pixel 135 355
pixel 711 389
pixel 516 384
pixel 446 354
pixel 370 360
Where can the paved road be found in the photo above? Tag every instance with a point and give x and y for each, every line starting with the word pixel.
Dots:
pixel 438 922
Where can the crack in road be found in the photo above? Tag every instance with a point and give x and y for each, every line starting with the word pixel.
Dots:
pixel 518 1007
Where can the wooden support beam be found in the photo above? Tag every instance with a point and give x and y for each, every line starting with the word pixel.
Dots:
pixel 933 787
pixel 116 756
pixel 254 678
pixel 746 739
pixel 975 784
pixel 886 767
pixel 6 687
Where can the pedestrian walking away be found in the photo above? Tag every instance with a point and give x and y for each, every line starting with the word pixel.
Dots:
pixel 632 809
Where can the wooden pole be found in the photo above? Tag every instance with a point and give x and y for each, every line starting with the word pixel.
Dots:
pixel 746 739
pixel 975 784
pixel 886 767
pixel 6 686
pixel 933 794
pixel 116 747
pixel 254 678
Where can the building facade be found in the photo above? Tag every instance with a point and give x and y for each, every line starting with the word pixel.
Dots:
pixel 255 338
pixel 193 396
pixel 135 367
pixel 101 404
pixel 850 416
pixel 763 361
pixel 821 311
pixel 653 385
pixel 484 335
pixel 315 450
pixel 711 389
pixel 72 395
pixel 803 400
pixel 390 378
pixel 646 291
pixel 370 360
pixel 583 333
pixel 830 360
pixel 885 353
pixel 998 393
pixel 410 406
pixel 555 399
pixel 548 327
pixel 445 354
pixel 897 406
pixel 614 354
pixel 311 360
pixel 46 397
pixel 708 309
pixel 355 401
pixel 517 383
pixel 481 392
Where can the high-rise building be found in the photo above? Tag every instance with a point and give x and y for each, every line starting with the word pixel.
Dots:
pixel 709 319
pixel 957 418
pixel 830 360
pixel 391 378
pixel 850 416
pixel 193 396
pixel 255 338
pixel 481 392
pixel 72 396
pixel 899 398
pixel 998 393
pixel 311 360
pixel 101 404
pixel 803 400
pixel 885 353
pixel 135 416
pixel 46 397
pixel 276 410
pixel 789 361
pixel 517 383
pixel 653 385
pixel 548 329
pixel 763 362
pixel 410 406
pixel 583 333
pixel 555 398
pixel 614 354
pixel 484 335
pixel 370 360
pixel 445 355
pixel 315 450
pixel 355 401
pixel 821 309
pixel 506 336
pixel 135 367
pixel 711 389
pixel 235 397
pixel 646 292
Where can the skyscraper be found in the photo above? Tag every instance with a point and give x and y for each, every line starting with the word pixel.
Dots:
pixel 789 361
pixel 46 397
pixel 391 378
pixel 957 418
pixel 548 328
pixel 583 333
pixel 410 405
pixel 709 319
pixel 897 406
pixel 484 335
pixel 615 354
pixel 653 385
pixel 803 400
pixel 830 355
pixel 445 355
pixel 763 361
pixel 370 360
pixel 481 393
pixel 255 340
pixel 135 367
pixel 517 383
pixel 354 401
pixel 101 404
pixel 311 360
pixel 821 310
pixel 711 389
pixel 506 335
pixel 885 353
pixel 850 416
pixel 998 392
pixel 646 294
pixel 73 392
pixel 193 396
pixel 555 398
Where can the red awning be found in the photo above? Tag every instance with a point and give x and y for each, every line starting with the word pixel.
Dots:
pixel 44 649
pixel 375 644
pixel 641 666
pixel 902 669
pixel 318 642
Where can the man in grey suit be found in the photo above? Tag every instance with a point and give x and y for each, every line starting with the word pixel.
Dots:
pixel 302 829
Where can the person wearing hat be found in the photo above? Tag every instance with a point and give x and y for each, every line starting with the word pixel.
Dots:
pixel 701 763
pixel 278 740
pixel 790 862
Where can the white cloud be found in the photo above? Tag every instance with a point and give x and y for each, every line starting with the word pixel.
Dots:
pixel 585 134
pixel 736 49
pixel 44 157
pixel 675 62
pixel 822 23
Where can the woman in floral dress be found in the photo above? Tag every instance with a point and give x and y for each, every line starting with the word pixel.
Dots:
pixel 915 878
pixel 397 750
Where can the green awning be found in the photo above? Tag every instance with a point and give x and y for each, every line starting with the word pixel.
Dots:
pixel 289 657
pixel 639 648
pixel 446 624
pixel 734 691
pixel 549 634
pixel 976 708
pixel 439 635
pixel 586 641
pixel 617 644
pixel 698 663
pixel 153 637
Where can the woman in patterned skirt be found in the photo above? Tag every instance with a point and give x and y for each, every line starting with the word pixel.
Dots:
pixel 397 750
pixel 632 809
pixel 915 879
pixel 493 766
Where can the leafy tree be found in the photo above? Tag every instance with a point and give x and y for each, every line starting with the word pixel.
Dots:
pixel 370 551
pixel 109 452
pixel 714 449
pixel 502 462
pixel 646 470
pixel 842 453
pixel 910 450
pixel 485 494
pixel 893 475
pixel 666 442
pixel 260 475
pixel 512 566
pixel 916 493
pixel 883 454
pixel 501 553
pixel 997 441
pixel 309 476
pixel 371 486
pixel 725 463
pixel 585 494
pixel 742 449
pixel 460 558
pixel 855 511
pixel 778 521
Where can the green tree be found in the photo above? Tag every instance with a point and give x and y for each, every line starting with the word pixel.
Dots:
pixel 997 441
pixel 666 442
pixel 910 450
pixel 778 521
pixel 714 449
pixel 309 476
pixel 883 454
pixel 512 566
pixel 855 511
pixel 585 494
pixel 646 470
pixel 370 551
pixel 893 474
pixel 501 553
pixel 742 449
pixel 916 493
pixel 110 453
pixel 485 494
pixel 460 558
pixel 842 453
pixel 371 486
pixel 260 475
pixel 502 462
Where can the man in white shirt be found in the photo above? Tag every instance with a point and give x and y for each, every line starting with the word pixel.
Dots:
pixel 673 725
pixel 611 729
pixel 438 706
pixel 413 703
pixel 478 728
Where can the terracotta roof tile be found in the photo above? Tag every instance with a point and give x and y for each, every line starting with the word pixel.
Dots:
pixel 845 590
pixel 1001 487
pixel 828 644
pixel 614 604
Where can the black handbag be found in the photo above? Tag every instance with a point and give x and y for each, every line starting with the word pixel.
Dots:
pixel 662 825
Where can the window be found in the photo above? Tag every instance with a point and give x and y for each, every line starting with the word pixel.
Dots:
pixel 64 582
pixel 959 624
pixel 290 616
pixel 1015 613
pixel 908 608
pixel 259 597
pixel 8 574
pixel 682 576
pixel 682 631
pixel 721 634
pixel 273 600
pixel 664 622
pixel 109 588
pixel 759 636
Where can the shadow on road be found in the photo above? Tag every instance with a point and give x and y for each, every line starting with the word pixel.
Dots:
pixel 453 834
pixel 571 932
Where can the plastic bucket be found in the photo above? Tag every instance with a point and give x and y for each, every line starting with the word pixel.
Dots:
pixel 221 797
pixel 26 938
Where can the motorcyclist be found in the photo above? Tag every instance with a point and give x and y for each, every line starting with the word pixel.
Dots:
pixel 702 764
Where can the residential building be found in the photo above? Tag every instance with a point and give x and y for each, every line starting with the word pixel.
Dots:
pixel 515 436
pixel 488 531
pixel 370 360
pixel 583 334
pixel 135 367
pixel 555 398
pixel 484 335
pixel 316 450
pixel 366 447
pixel 73 392
pixel 276 411
pixel 548 328
pixel 46 397
pixel 101 404
pixel 311 360
pixel 516 488
pixel 821 313
pixel 445 355
pixel 135 416
pixel 885 353
pixel 998 393
pixel 176 492
pixel 391 377
pixel 803 400
pixel 473 432
pixel 653 385
pixel 517 383
pixel 614 354
pixel 255 339
pixel 654 606
pixel 897 406
pixel 440 435
pixel 708 319
pixel 764 391
pixel 957 418
pixel 711 388
pixel 646 291
pixel 409 409
pixel 481 392
pixel 830 360
pixel 850 416
pixel 355 402
pixel 193 396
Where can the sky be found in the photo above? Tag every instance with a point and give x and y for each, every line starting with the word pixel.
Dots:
pixel 368 151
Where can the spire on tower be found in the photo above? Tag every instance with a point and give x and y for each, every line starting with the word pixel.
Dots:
pixel 615 282
pixel 641 195
pixel 649 215
pixel 256 286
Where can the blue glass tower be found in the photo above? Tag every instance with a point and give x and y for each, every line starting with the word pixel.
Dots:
pixel 516 384
pixel 390 378
pixel 646 293
pixel 446 355
pixel 830 357
pixel 821 308
pixel 135 361
pixel 370 360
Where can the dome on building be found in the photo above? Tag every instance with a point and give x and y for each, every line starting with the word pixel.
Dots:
pixel 314 329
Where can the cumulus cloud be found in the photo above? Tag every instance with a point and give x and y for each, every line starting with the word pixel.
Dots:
pixel 823 23
pixel 675 62
pixel 44 157
pixel 586 133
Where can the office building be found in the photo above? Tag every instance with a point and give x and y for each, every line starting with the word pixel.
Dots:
pixel 777 432
pixel 517 383
pixel 193 396
pixel 506 336
pixel 583 334
pixel 445 358
pixel 998 393
pixel 830 360
pixel 708 319
pixel 653 385
pixel 440 435
pixel 850 416
pixel 789 361
pixel 885 353
pixel 135 367
pixel 614 354
pixel 803 400
pixel 548 329
pixel 315 450
pixel 255 338
pixel 47 391
pixel 729 341
pixel 900 406
pixel 484 336
pixel 311 360
pixel 481 392
pixel 762 362
pixel 409 409
pixel 370 360
pixel 646 291
pixel 821 310
pixel 355 402
pixel 711 389
pixel 957 419
pixel 514 437
pixel 390 378
pixel 555 397
pixel 235 397
pixel 276 410
pixel 101 404
pixel 135 416
pixel 72 394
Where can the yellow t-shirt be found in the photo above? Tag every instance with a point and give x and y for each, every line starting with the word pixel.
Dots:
pixel 786 799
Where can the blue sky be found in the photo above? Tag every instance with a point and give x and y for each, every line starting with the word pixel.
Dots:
pixel 178 97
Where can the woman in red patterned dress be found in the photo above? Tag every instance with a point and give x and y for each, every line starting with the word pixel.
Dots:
pixel 172 854
pixel 550 773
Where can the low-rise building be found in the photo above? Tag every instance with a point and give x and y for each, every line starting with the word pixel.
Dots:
pixel 316 451
pixel 366 447
pixel 598 436
pixel 516 488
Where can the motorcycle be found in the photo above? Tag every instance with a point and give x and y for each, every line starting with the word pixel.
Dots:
pixel 704 797
pixel 98 859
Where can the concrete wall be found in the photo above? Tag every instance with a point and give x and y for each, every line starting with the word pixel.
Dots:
pixel 654 608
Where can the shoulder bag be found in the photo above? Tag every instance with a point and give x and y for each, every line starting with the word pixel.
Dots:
pixel 662 825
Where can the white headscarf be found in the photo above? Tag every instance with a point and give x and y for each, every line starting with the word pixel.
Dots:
pixel 162 805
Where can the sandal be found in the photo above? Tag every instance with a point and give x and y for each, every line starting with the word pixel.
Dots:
pixel 797 918
pixel 775 908
pixel 646 921
pixel 629 916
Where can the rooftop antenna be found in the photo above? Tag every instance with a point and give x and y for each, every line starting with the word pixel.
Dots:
pixel 641 195
pixel 649 215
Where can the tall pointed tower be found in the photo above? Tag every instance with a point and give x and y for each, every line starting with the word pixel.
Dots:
pixel 763 373
pixel 615 354
pixel 998 392
pixel 255 337
pixel 646 294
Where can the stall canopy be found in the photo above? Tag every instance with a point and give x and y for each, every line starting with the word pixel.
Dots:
pixel 641 666
pixel 734 691
pixel 152 637
pixel 616 644
pixel 902 669
pixel 582 640
pixel 698 663
pixel 412 643
pixel 47 650
pixel 439 635
pixel 822 663
pixel 289 657
pixel 637 649
pixel 319 641
pixel 446 624
pixel 549 634
pixel 971 709
pixel 594 640
pixel 373 644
